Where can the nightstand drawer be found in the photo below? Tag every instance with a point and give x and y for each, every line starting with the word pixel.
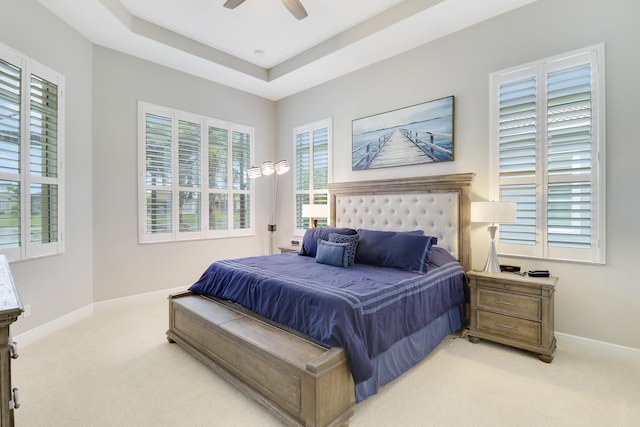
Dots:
pixel 512 286
pixel 512 327
pixel 520 305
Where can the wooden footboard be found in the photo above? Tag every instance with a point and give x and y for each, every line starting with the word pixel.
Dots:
pixel 301 383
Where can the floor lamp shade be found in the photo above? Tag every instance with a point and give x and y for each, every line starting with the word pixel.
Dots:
pixel 267 169
pixel 493 213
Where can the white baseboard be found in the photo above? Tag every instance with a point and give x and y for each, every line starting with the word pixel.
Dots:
pixel 102 306
pixel 69 319
pixel 601 345
pixel 35 334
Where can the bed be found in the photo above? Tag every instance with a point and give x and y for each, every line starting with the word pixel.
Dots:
pixel 266 331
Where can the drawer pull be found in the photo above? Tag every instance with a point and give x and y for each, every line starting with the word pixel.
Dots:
pixel 502 325
pixel 13 347
pixel 15 402
pixel 512 304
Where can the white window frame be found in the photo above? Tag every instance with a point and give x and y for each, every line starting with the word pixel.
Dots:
pixel 205 123
pixel 27 248
pixel 310 128
pixel 540 69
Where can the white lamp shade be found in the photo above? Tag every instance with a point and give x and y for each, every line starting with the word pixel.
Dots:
pixel 315 211
pixel 282 167
pixel 493 212
pixel 267 168
pixel 254 172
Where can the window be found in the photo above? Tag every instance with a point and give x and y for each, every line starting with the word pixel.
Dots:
pixel 312 145
pixel 548 152
pixel 193 179
pixel 31 154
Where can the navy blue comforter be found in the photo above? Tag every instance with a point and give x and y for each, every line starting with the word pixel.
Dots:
pixel 363 309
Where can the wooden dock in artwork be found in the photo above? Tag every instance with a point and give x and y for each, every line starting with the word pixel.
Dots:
pixel 400 147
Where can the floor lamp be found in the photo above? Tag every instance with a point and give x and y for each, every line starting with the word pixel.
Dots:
pixel 494 213
pixel 270 170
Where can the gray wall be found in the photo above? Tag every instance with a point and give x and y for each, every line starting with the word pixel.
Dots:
pixel 596 302
pixel 57 285
pixel 122 267
pixel 103 259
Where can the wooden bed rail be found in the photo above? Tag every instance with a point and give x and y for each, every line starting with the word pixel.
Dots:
pixel 298 381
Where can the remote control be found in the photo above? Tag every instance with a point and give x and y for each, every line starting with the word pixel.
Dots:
pixel 539 273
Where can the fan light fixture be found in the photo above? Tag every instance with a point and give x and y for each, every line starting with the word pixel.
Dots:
pixel 294 6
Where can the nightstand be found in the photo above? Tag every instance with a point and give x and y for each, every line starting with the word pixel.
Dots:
pixel 289 248
pixel 514 310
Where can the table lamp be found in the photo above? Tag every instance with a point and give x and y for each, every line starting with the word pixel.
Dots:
pixel 494 213
pixel 314 212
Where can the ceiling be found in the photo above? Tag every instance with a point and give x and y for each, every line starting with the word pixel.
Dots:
pixel 259 47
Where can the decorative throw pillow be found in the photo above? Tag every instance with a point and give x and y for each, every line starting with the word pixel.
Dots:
pixel 331 253
pixel 372 243
pixel 312 235
pixel 395 250
pixel 351 239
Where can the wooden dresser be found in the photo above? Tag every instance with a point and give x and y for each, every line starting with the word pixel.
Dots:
pixel 10 309
pixel 513 310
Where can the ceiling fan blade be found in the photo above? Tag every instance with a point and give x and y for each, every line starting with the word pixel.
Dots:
pixel 231 4
pixel 295 7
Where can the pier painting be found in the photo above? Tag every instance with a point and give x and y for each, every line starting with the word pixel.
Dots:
pixel 417 134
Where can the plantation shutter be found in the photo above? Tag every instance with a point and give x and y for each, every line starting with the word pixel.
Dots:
pixel 547 154
pixel 43 161
pixel 518 157
pixel 189 176
pixel 569 157
pixel 10 140
pixel 312 147
pixel 195 183
pixel 241 162
pixel 321 170
pixel 31 149
pixel 159 174
pixel 218 153
pixel 303 177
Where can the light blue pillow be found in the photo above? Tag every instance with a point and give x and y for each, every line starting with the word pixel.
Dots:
pixel 312 235
pixel 351 239
pixel 331 253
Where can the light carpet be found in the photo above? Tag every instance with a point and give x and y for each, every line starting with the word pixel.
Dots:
pixel 116 368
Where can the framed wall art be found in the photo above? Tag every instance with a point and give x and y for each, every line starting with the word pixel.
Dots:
pixel 421 133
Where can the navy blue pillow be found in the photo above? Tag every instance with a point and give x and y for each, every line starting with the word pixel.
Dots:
pixel 351 239
pixel 440 256
pixel 331 253
pixel 401 250
pixel 372 242
pixel 312 235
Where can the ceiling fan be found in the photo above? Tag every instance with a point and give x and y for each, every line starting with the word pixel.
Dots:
pixel 294 6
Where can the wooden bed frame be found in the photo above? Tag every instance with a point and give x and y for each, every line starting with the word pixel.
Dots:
pixel 300 382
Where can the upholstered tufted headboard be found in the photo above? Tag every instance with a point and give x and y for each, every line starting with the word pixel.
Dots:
pixel 439 205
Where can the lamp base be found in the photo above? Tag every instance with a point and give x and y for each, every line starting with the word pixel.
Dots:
pixel 492 265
